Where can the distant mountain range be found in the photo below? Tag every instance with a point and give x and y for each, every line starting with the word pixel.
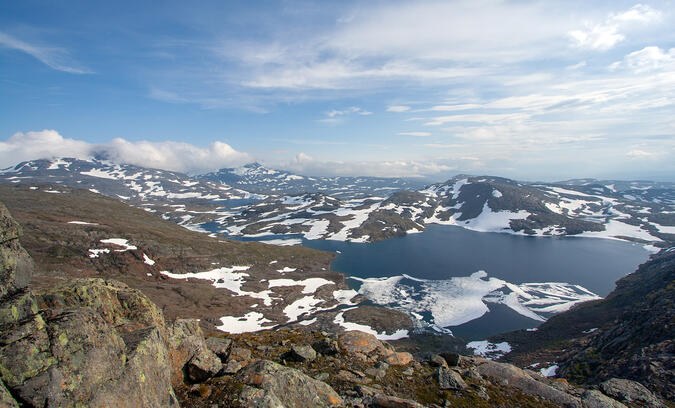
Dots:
pixel 256 178
pixel 255 201
pixel 478 203
pixel 122 181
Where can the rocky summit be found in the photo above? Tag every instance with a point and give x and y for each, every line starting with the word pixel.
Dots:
pixel 99 343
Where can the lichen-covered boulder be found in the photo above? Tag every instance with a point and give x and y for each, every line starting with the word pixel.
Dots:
pixel 258 398
pixel 16 266
pixel 119 305
pixel 70 356
pixel 289 386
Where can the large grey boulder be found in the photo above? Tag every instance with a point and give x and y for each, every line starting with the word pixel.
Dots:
pixel 630 391
pixel 203 365
pixel 89 343
pixel 508 374
pixel 289 386
pixel 596 399
pixel 220 346
pixel 300 354
pixel 449 379
pixel 252 397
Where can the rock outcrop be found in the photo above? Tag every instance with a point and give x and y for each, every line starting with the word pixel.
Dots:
pixel 290 387
pixel 90 343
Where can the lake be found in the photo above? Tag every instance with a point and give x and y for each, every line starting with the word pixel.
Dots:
pixel 445 257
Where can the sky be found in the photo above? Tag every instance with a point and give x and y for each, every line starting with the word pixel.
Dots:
pixel 532 90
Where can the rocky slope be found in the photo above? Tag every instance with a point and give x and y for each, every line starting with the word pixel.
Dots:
pixel 79 234
pixel 628 334
pixel 96 342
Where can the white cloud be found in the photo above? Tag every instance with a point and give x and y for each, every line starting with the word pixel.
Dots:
pixel 598 37
pixel 337 116
pixel 641 154
pixel 605 35
pixel 647 59
pixel 305 164
pixel 353 109
pixel 175 156
pixel 55 58
pixel 416 134
pixel 398 108
pixel 640 13
pixel 421 42
pixel 41 144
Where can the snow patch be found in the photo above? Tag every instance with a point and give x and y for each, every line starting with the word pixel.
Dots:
pixel 250 322
pixel 340 320
pixel 489 350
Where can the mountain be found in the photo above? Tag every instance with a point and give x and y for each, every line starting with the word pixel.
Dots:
pixel 478 203
pixel 642 212
pixel 256 178
pixel 121 181
pixel 640 190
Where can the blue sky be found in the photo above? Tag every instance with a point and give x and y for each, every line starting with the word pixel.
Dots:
pixel 531 90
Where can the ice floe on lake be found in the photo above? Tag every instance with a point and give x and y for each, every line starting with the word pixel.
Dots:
pixel 455 301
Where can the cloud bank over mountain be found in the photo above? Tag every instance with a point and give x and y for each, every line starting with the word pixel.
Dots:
pixel 176 156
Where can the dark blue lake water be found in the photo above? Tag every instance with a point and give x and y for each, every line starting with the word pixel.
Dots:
pixel 443 252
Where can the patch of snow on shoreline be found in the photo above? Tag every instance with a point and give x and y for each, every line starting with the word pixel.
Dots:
pixel 489 350
pixel 340 320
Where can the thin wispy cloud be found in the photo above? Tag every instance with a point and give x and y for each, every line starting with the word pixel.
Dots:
pixel 415 134
pixel 55 58
pixel 338 115
pixel 398 108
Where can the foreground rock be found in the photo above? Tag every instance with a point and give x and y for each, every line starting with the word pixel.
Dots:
pixel 630 391
pixel 367 347
pixel 287 386
pixel 515 377
pixel 92 343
